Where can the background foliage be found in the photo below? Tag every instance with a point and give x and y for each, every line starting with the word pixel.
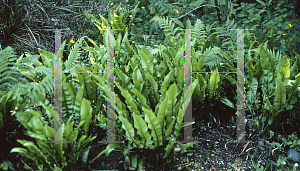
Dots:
pixel 148 50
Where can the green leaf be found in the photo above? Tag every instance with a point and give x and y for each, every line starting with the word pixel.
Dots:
pixel 19 150
pixel 86 154
pixel 185 146
pixel 138 79
pixel 35 135
pixel 169 148
pixel 110 148
pixel 261 2
pixel 129 131
pixel 213 82
pixel 142 130
pixel 145 59
pixel 283 70
pixel 140 98
pixel 178 22
pixel 165 83
pixel 289 41
pixel 86 114
pixel 129 101
pixel 170 128
pixel 156 129
pixel 269 3
pixel 171 94
pixel 227 102
pixel 280 94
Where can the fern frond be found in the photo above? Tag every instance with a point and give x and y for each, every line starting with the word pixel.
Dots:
pixel 213 56
pixel 10 75
pixel 228 37
pixel 42 76
pixel 172 38
pixel 74 54
pixel 199 35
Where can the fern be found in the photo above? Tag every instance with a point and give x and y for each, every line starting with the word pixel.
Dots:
pixel 42 76
pixel 10 75
pixel 199 35
pixel 74 55
pixel 172 38
pixel 162 7
pixel 226 36
pixel 212 58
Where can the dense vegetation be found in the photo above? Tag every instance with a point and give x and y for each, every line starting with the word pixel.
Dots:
pixel 149 44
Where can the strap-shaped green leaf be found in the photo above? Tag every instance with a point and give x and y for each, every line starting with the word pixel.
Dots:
pixel 165 83
pixel 57 137
pixel 294 86
pixel 76 107
pixel 48 58
pixel 199 65
pixel 268 104
pixel 75 133
pixel 169 148
pixel 129 130
pixel 49 132
pixel 86 114
pixel 121 107
pixel 161 113
pixel 170 128
pixel 91 18
pixel 180 76
pixel 251 94
pixel 20 150
pixel 185 146
pixel 127 44
pixel 146 61
pixel 48 151
pixel 280 93
pixel 161 69
pixel 138 79
pixel 129 100
pixel 66 99
pixel 86 141
pixel 86 80
pixel 169 112
pixel 142 130
pixel 49 112
pixel 181 112
pixel 133 16
pixel 156 129
pixel 125 79
pixel 227 102
pixel 140 98
pixel 283 70
pixel 213 82
pixel 101 80
pixel 111 147
pixel 178 61
pixel 289 41
pixel 34 153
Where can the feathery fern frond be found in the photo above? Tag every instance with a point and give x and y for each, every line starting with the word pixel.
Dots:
pixel 74 54
pixel 41 75
pixel 199 30
pixel 213 56
pixel 169 31
pixel 199 35
pixel 229 36
pixel 10 76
